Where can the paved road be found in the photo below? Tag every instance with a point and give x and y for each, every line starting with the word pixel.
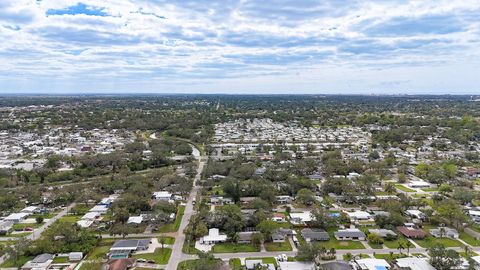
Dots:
pixel 177 254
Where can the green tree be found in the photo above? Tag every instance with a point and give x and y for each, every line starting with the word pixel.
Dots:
pixel 444 259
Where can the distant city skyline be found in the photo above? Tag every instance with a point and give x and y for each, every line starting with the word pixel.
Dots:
pixel 240 47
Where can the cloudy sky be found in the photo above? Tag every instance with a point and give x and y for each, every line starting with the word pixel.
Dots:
pixel 240 46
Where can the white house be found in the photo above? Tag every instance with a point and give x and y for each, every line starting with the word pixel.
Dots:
pixel 135 220
pixel 29 209
pixel 301 217
pixel 162 195
pixel 418 184
pixel 372 264
pixel 102 209
pixel 16 217
pixel 360 216
pixel 413 263
pixel 213 237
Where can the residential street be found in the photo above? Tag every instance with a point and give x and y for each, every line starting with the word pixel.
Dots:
pixel 177 254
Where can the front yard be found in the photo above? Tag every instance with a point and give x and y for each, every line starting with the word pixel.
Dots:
pixel 283 246
pixel 160 256
pixel 173 227
pixel 234 248
pixel 430 241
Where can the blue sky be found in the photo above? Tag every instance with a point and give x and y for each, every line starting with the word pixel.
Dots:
pixel 240 46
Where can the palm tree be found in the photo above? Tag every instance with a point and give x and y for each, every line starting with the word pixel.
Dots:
pixel 408 245
pixel 401 246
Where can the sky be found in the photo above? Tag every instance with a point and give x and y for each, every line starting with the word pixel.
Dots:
pixel 240 46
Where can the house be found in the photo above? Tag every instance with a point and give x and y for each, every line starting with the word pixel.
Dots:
pixel 300 218
pixel 283 199
pixel 278 237
pixel 245 237
pixel 416 214
pixel 418 184
pixel 135 220
pixel 6 227
pixel 360 217
pixel 213 237
pixel 162 196
pixel 474 215
pixel 102 209
pixel 412 232
pixel 279 217
pixel 121 264
pixel 75 256
pixel 383 232
pixel 372 264
pixel 41 262
pixel 338 265
pixel 350 234
pixel 444 232
pixel 413 263
pixel 123 248
pixel 29 209
pixel 16 217
pixel 296 266
pixel 315 235
pixel 85 223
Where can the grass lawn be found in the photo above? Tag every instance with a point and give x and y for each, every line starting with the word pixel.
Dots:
pixel 70 218
pixel 375 246
pixel 404 188
pixel 234 248
pixel 189 248
pixel 168 240
pixel 336 244
pixel 390 257
pixel 160 256
pixel 60 260
pixel 469 239
pixel 190 264
pixel 429 189
pixel 20 261
pixel 283 246
pixel 393 243
pixel 99 252
pixel 173 227
pixel 430 241
pixel 265 260
pixel 22 226
pixel 235 264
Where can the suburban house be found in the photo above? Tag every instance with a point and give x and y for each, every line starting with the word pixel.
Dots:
pixel 75 256
pixel 415 214
pixel 213 237
pixel 338 265
pixel 300 218
pixel 29 209
pixel 360 217
pixel 383 232
pixel 41 262
pixel 372 264
pixel 102 209
pixel 350 234
pixel 88 219
pixel 296 266
pixel 315 235
pixel 444 232
pixel 162 196
pixel 418 184
pixel 16 217
pixel 135 220
pixel 413 263
pixel 245 237
pixel 121 264
pixel 123 248
pixel 279 217
pixel 6 227
pixel 474 215
pixel 412 232
pixel 284 199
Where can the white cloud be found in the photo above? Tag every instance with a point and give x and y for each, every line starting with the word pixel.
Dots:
pixel 209 45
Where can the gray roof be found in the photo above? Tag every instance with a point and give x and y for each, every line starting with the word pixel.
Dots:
pixel 42 258
pixel 315 234
pixel 340 265
pixel 349 233
pixel 131 243
pixel 245 236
